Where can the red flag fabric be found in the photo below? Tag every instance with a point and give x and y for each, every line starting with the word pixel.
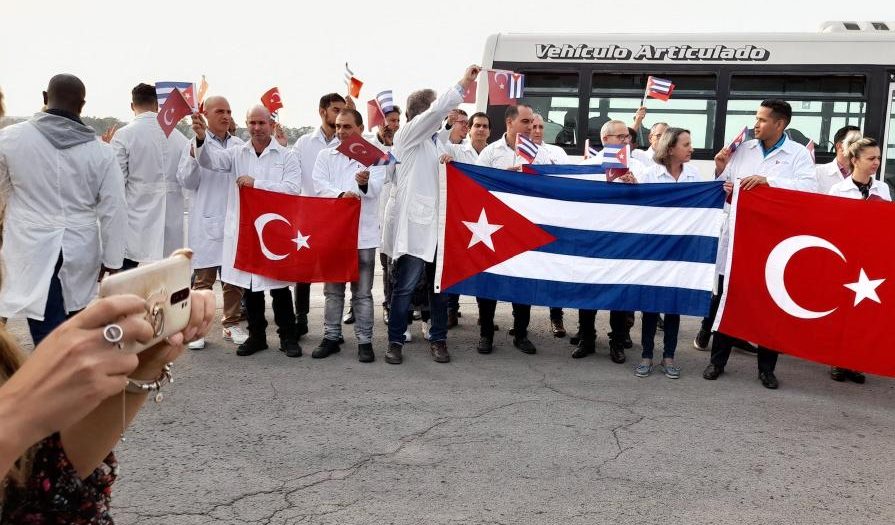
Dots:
pixel 355 147
pixel 354 86
pixel 374 115
pixel 271 99
pixel 481 231
pixel 297 239
pixel 804 282
pixel 499 88
pixel 174 109
pixel 469 94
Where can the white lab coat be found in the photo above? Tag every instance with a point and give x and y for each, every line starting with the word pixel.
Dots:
pixel 789 166
pixel 659 174
pixel 846 188
pixel 149 162
pixel 334 174
pixel 555 154
pixel 388 176
pixel 828 175
pixel 411 223
pixel 67 199
pixel 275 170
pixel 501 156
pixel 306 149
pixel 209 195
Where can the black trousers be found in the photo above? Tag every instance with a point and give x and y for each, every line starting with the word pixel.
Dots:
pixel 521 317
pixel 722 344
pixel 707 322
pixel 283 314
pixel 302 303
pixel 587 326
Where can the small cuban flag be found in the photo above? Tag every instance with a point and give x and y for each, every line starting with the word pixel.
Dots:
pixel 589 151
pixel 738 140
pixel 659 88
pixel 526 148
pixel 615 156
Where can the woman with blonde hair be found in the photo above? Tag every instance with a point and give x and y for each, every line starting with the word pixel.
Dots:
pixel 864 157
pixel 672 157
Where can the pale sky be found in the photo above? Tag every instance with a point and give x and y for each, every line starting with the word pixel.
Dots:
pixel 244 48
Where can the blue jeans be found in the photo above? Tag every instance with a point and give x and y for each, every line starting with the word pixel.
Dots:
pixel 54 311
pixel 650 321
pixel 361 301
pixel 407 271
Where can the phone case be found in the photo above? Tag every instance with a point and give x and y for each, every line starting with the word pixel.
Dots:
pixel 166 287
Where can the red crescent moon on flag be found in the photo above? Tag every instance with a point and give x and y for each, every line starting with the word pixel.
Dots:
pixel 363 151
pixel 776 267
pixel 275 97
pixel 260 223
pixel 497 75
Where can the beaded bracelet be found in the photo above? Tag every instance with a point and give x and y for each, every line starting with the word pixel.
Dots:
pixel 144 387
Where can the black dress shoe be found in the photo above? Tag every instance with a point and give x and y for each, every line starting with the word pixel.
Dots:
pixel 251 346
pixel 768 380
pixel 857 377
pixel 583 350
pixel 485 345
pixel 524 345
pixel 701 342
pixel 557 327
pixel 349 316
pixel 326 348
pixel 365 353
pixel 290 348
pixel 617 353
pixel 393 354
pixel 712 372
pixel 838 374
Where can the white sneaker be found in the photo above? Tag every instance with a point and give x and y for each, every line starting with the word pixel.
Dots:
pixel 235 334
pixel 427 327
pixel 407 336
pixel 198 344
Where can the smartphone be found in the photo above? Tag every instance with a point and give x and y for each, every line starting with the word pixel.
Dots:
pixel 165 285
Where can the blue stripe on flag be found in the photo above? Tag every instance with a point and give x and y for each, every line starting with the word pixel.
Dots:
pixel 681 195
pixel 646 247
pixel 566 169
pixel 625 297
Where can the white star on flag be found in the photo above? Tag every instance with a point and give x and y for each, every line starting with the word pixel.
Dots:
pixel 865 288
pixel 301 241
pixel 482 231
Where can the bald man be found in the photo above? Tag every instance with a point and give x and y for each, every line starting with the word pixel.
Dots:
pixel 209 195
pixel 65 214
pixel 264 164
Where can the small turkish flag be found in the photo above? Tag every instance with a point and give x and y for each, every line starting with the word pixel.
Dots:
pixel 355 147
pixel 469 94
pixel 297 239
pixel 271 99
pixel 374 115
pixel 499 88
pixel 174 109
pixel 481 231
pixel 804 282
pixel 354 86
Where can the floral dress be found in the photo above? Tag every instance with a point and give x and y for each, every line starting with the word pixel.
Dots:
pixel 55 494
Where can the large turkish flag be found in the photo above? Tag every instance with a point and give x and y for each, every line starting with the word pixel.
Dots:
pixel 298 239
pixel 813 276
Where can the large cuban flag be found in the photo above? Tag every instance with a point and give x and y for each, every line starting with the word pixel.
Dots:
pixel 555 241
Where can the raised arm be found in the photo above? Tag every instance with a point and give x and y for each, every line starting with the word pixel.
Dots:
pixel 188 174
pixel 424 125
pixel 112 214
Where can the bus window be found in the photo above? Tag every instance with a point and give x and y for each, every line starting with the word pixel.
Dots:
pixel 692 105
pixel 889 168
pixel 820 105
pixel 555 97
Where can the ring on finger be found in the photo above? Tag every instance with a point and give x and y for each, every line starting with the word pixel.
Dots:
pixel 113 333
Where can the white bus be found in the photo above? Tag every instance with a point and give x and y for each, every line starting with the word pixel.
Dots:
pixel 844 74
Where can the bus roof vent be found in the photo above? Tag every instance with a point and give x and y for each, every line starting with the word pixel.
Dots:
pixel 844 27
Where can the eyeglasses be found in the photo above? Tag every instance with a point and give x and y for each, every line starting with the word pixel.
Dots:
pixel 621 136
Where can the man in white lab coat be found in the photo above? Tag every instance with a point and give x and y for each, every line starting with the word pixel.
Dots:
pixel 339 176
pixel 260 163
pixel 65 215
pixel 209 193
pixel 410 235
pixel 305 150
pixel 770 159
pixel 832 173
pixel 154 197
